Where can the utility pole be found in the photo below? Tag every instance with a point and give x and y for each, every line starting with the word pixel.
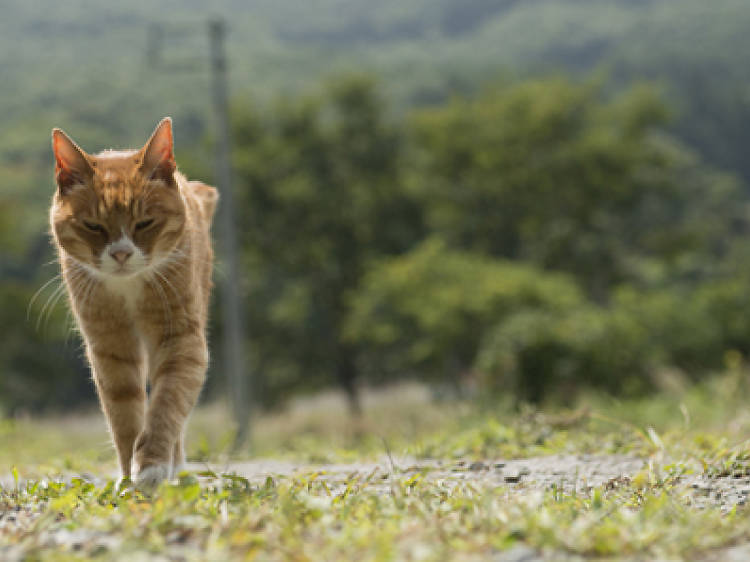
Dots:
pixel 234 337
pixel 234 359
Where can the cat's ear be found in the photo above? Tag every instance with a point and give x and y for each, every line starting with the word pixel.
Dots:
pixel 158 153
pixel 72 165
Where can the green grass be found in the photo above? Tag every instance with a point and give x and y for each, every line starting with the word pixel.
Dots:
pixel 219 518
pixel 391 514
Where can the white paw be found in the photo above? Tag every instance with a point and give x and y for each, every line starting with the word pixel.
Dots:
pixel 150 477
pixel 123 483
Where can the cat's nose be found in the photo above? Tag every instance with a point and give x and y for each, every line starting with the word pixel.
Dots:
pixel 121 256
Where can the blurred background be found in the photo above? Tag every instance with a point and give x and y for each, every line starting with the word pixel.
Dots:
pixel 503 201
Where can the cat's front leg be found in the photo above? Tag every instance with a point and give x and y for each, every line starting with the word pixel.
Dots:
pixel 175 385
pixel 178 455
pixel 120 384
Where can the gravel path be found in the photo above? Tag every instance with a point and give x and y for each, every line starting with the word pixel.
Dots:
pixel 566 472
pixel 569 473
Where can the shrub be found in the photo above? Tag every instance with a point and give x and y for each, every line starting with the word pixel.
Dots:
pixel 427 311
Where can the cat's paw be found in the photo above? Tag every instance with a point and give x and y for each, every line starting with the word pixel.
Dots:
pixel 150 477
pixel 123 484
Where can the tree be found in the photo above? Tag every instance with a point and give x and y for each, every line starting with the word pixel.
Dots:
pixel 322 195
pixel 548 172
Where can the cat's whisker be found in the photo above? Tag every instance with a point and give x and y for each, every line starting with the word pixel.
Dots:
pixel 88 291
pixel 39 292
pixel 53 297
pixel 83 288
pixel 181 258
pixel 173 263
pixel 51 309
pixel 71 326
pixel 172 267
pixel 76 275
pixel 171 287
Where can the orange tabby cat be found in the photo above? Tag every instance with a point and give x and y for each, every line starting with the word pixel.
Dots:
pixel 134 245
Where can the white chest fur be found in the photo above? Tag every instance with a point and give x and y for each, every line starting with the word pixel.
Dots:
pixel 129 289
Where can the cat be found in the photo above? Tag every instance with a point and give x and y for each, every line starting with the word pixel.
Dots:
pixel 133 241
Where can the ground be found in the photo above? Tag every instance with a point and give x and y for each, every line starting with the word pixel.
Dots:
pixel 665 476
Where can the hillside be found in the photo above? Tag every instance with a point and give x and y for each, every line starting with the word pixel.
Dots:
pixel 86 67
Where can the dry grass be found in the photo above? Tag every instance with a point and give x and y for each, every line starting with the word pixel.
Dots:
pixel 694 435
pixel 316 428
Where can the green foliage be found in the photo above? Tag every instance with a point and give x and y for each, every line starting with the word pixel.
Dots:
pixel 421 50
pixel 437 510
pixel 347 280
pixel 525 332
pixel 727 304
pixel 31 379
pixel 557 175
pixel 425 312
pixel 322 197
pixel 622 347
pixel 539 238
pixel 547 172
pixel 225 517
pixel 535 354
pixel 550 176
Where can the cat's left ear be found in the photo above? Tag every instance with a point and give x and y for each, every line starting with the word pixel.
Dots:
pixel 72 166
pixel 158 153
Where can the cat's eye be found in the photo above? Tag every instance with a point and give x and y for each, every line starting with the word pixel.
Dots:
pixel 142 225
pixel 93 227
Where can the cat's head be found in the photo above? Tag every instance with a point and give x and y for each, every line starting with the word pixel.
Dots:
pixel 117 213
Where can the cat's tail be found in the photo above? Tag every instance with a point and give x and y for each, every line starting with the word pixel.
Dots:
pixel 208 197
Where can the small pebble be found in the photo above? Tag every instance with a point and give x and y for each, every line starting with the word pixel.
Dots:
pixel 513 476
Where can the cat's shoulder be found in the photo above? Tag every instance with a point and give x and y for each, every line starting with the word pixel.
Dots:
pixel 207 196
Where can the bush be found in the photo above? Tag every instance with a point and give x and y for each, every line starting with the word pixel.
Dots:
pixel 427 311
pixel 533 352
pixel 41 367
pixel 618 348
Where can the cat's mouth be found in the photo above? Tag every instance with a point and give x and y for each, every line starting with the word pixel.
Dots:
pixel 125 270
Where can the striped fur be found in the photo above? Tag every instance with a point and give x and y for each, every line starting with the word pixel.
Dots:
pixel 133 239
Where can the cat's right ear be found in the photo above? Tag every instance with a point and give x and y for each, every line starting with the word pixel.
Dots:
pixel 158 153
pixel 72 166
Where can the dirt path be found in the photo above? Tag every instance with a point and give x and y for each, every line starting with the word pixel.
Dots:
pixel 568 473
